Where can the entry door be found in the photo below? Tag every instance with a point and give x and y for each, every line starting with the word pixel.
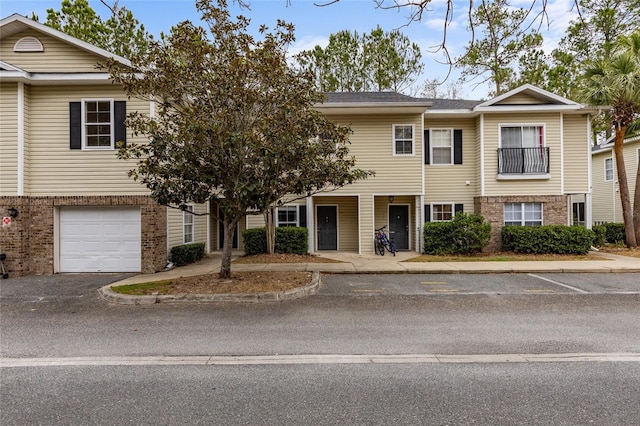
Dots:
pixel 221 232
pixel 327 220
pixel 399 225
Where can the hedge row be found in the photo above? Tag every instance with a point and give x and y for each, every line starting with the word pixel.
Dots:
pixel 465 234
pixel 187 253
pixel 557 239
pixel 289 239
pixel 612 233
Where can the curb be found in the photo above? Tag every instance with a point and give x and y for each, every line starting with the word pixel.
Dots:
pixel 296 293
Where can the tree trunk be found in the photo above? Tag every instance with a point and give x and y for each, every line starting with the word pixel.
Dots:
pixel 227 249
pixel 271 230
pixel 627 213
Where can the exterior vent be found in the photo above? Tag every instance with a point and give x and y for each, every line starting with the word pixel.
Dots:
pixel 28 44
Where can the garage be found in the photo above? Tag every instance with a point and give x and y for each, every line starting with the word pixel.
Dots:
pixel 99 239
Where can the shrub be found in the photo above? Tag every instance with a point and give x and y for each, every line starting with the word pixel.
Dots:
pixel 600 238
pixel 187 253
pixel 615 233
pixel 557 239
pixel 289 239
pixel 465 234
pixel 255 241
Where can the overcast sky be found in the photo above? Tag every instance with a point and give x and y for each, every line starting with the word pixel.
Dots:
pixel 314 24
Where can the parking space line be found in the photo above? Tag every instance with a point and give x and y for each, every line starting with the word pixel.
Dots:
pixel 579 290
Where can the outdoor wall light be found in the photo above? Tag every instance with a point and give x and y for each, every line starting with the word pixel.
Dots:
pixel 12 212
pixel 391 198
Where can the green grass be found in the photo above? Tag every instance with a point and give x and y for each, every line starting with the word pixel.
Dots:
pixel 160 287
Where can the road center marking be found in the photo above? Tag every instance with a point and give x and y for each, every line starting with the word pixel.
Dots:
pixel 579 290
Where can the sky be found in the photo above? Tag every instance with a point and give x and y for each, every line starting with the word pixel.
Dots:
pixel 314 24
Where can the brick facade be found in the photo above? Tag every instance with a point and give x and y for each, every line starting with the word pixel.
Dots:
pixel 29 241
pixel 554 212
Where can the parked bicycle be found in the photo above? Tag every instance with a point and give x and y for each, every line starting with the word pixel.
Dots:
pixel 382 242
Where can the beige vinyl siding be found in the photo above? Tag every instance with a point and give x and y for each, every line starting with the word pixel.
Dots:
pixel 448 183
pixel 58 56
pixel 495 187
pixel 175 226
pixel 347 220
pixel 521 99
pixel 478 157
pixel 27 139
pixel 8 138
pixel 576 154
pixel 372 146
pixel 57 170
pixel 606 205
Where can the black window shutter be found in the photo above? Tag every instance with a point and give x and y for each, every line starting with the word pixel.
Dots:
pixel 302 211
pixel 427 213
pixel 457 147
pixel 426 147
pixel 119 116
pixel 458 208
pixel 75 125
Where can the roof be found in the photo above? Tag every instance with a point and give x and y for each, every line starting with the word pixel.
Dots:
pixel 608 144
pixel 16 23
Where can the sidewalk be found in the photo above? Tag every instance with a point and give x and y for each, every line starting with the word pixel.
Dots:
pixel 370 264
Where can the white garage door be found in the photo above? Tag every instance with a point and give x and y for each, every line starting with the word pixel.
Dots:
pixel 99 239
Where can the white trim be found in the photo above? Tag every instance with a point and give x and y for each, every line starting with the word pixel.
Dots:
pixel 442 203
pixel 359 226
pixel 413 140
pixel 431 163
pixel 482 165
pixel 561 152
pixel 297 206
pixel 207 243
pixel 420 244
pixel 21 174
pixel 523 219
pixel 521 125
pixel 56 239
pixel 112 120
pixel 310 224
pixel 423 154
pixel 538 176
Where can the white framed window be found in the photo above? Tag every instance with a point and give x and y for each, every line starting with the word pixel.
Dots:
pixel 441 212
pixel 403 139
pixel 522 136
pixel 292 215
pixel 287 216
pixel 187 225
pixel 523 214
pixel 608 169
pixel 578 214
pixel 97 124
pixel 441 145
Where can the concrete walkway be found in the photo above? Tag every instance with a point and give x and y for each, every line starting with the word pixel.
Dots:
pixel 368 264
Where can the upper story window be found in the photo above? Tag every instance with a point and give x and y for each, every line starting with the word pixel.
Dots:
pixel 403 139
pixel 97 124
pixel 522 150
pixel 608 169
pixel 523 214
pixel 441 146
pixel 187 225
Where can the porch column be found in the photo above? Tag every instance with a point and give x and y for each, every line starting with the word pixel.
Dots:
pixel 311 226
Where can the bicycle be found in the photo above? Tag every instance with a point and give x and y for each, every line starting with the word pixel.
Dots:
pixel 382 242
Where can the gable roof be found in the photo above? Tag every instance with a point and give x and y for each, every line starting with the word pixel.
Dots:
pixel 16 23
pixel 608 145
pixel 372 103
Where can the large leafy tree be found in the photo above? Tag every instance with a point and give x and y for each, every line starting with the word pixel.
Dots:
pixel 234 122
pixel 504 37
pixel 121 33
pixel 354 62
pixel 616 82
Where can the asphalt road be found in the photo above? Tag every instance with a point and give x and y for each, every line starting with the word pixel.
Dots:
pixel 62 317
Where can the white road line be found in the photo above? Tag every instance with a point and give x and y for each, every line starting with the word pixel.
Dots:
pixel 579 290
pixel 319 359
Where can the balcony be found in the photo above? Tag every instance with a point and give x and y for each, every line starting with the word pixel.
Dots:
pixel 523 161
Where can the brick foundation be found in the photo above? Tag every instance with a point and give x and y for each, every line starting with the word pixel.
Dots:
pixel 554 212
pixel 29 241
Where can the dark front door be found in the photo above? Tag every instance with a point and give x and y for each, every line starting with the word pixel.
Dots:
pixel 399 226
pixel 327 228
pixel 221 232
